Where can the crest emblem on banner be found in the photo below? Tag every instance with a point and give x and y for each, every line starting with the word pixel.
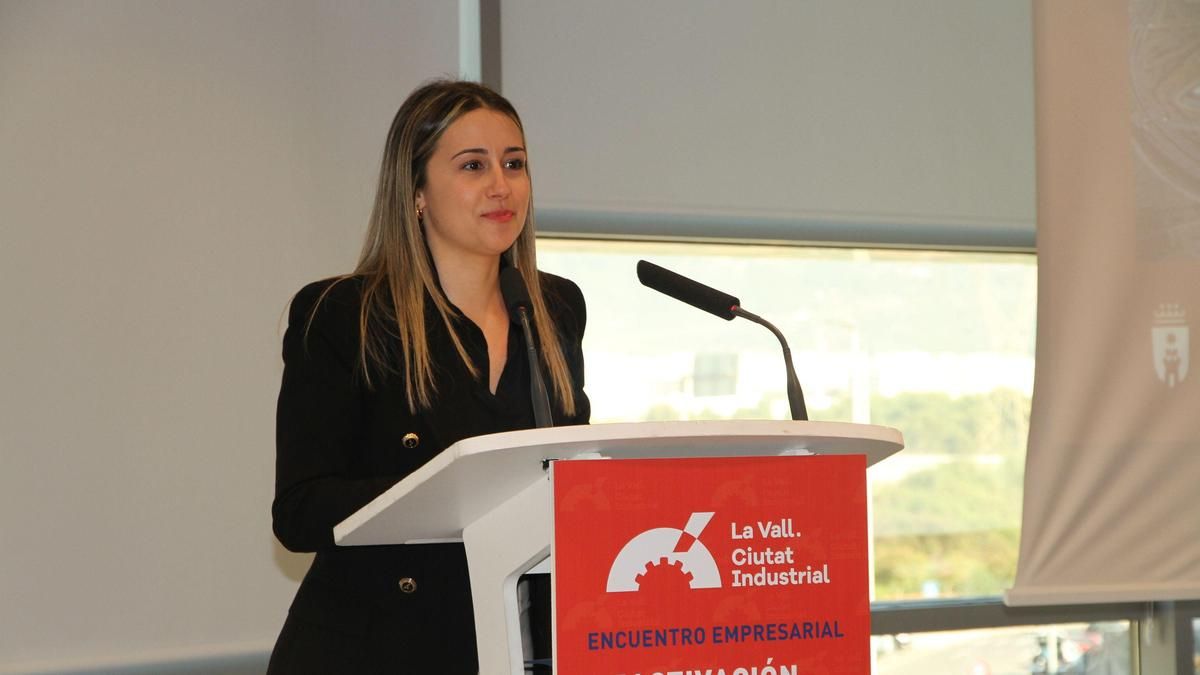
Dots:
pixel 1169 337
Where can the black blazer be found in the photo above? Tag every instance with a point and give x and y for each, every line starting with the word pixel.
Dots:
pixel 341 443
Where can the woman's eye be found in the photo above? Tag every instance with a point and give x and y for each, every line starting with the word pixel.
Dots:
pixel 473 165
pixel 515 163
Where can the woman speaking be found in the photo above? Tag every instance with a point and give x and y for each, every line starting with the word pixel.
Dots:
pixel 391 364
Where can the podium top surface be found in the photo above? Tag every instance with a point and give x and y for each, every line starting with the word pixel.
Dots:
pixel 473 476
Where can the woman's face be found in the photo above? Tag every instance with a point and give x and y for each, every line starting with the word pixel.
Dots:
pixel 476 192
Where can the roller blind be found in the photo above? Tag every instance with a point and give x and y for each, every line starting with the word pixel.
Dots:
pixel 859 120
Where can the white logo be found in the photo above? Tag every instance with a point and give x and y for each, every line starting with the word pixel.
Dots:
pixel 1169 336
pixel 666 551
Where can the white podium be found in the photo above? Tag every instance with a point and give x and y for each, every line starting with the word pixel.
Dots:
pixel 493 493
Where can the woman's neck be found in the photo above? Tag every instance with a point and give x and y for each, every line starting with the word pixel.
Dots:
pixel 473 285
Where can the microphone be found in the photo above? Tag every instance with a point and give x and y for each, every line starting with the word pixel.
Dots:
pixel 516 299
pixel 684 289
pixel 726 307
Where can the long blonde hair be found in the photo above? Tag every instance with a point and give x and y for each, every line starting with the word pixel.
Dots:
pixel 395 264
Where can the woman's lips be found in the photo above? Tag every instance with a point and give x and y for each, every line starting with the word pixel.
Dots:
pixel 500 216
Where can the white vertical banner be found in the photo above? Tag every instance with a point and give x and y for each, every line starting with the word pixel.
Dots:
pixel 1112 482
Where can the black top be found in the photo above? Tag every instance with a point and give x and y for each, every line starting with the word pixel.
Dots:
pixel 341 443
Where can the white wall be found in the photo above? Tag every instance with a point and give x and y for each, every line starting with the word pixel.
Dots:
pixel 170 173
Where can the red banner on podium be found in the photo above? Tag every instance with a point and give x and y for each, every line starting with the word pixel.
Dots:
pixel 717 566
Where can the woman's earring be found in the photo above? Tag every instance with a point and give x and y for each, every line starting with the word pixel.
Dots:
pixel 420 214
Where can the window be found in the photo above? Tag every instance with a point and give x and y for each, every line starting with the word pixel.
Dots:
pixel 715 374
pixel 1055 648
pixel 936 344
pixel 1196 646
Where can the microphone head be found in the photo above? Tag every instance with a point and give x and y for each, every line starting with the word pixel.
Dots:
pixel 683 289
pixel 516 295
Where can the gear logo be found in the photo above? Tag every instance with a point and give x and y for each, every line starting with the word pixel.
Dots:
pixel 663 555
